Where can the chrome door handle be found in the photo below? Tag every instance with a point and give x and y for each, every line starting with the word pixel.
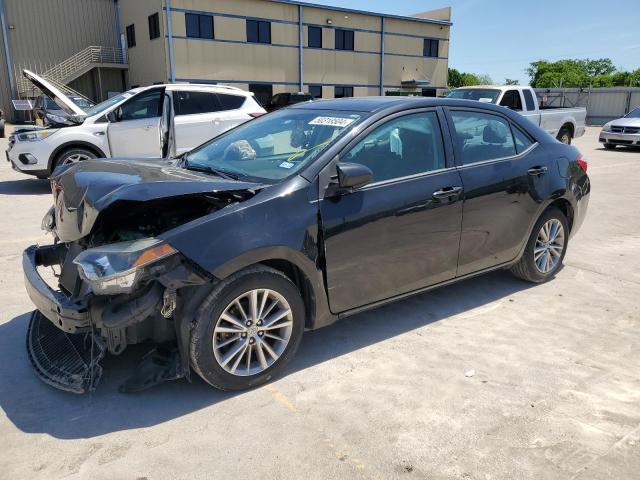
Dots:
pixel 98 134
pixel 537 171
pixel 447 192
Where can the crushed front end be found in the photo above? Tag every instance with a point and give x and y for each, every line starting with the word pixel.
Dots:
pixel 116 283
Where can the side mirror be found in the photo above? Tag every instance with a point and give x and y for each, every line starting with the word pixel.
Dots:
pixel 113 116
pixel 352 176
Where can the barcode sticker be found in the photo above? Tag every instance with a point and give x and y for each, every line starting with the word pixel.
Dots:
pixel 331 121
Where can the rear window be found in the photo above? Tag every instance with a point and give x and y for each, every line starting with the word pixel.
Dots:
pixel 488 95
pixel 230 102
pixel 528 100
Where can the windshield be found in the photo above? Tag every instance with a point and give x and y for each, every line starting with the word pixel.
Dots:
pixel 274 146
pixel 634 113
pixel 488 95
pixel 109 102
pixel 83 103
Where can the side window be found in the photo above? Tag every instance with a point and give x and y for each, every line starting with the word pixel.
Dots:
pixel 482 136
pixel 511 99
pixel 192 103
pixel 528 100
pixel 404 146
pixel 144 105
pixel 523 141
pixel 230 102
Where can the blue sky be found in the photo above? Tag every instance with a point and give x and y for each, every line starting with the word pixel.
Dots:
pixel 501 37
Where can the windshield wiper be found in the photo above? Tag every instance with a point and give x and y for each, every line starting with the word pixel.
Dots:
pixel 206 169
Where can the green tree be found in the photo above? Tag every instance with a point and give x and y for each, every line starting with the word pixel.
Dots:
pixel 455 78
pixel 511 81
pixel 580 73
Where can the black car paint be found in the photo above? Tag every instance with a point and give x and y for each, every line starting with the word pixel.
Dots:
pixel 350 250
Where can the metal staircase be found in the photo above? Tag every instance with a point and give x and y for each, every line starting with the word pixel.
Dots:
pixel 73 67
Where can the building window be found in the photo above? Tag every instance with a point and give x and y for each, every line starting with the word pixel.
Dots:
pixel 430 48
pixel 429 92
pixel 316 91
pixel 131 36
pixel 263 92
pixel 344 39
pixel 314 39
pixel 258 31
pixel 154 26
pixel 199 26
pixel 342 92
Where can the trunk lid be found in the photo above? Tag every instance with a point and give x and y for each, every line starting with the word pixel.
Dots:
pixel 55 93
pixel 86 189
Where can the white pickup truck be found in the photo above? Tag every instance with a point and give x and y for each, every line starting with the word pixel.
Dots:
pixel 562 123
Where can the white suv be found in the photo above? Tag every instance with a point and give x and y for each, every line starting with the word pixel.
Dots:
pixel 137 123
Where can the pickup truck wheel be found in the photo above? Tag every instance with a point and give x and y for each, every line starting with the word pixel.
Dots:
pixel 2 122
pixel 609 146
pixel 247 329
pixel 564 136
pixel 73 155
pixel 545 248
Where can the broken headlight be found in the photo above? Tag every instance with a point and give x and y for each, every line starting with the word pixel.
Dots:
pixel 115 268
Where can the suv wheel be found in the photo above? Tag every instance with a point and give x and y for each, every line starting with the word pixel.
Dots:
pixel 545 248
pixel 609 146
pixel 247 329
pixel 73 155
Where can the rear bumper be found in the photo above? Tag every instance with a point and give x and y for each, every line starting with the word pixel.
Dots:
pixel 71 315
pixel 632 139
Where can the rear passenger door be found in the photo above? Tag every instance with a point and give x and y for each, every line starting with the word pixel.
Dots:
pixel 504 174
pixel 401 232
pixel 202 115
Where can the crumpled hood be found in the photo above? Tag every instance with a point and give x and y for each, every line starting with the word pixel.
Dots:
pixel 85 189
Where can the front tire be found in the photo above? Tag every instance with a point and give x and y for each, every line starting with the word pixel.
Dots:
pixel 546 247
pixel 73 155
pixel 247 329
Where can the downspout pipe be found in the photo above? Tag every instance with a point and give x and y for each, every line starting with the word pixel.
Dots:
pixel 382 31
pixel 172 68
pixel 7 50
pixel 300 57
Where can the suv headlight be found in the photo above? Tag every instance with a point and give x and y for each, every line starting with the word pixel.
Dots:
pixel 116 268
pixel 606 127
pixel 36 135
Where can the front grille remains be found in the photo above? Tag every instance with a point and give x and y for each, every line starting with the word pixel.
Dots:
pixel 65 361
pixel 621 129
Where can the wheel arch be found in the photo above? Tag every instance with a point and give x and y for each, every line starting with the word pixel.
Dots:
pixel 565 207
pixel 568 125
pixel 73 144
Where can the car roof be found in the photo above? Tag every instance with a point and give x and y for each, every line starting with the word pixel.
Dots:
pixel 378 104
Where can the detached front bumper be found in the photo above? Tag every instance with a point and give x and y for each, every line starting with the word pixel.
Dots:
pixel 68 314
pixel 630 139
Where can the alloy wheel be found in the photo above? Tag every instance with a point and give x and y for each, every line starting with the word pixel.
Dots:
pixel 549 246
pixel 74 158
pixel 252 332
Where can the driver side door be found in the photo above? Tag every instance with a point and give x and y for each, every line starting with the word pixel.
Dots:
pixel 137 129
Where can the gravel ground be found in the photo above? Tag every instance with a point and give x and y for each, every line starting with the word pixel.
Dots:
pixel 555 392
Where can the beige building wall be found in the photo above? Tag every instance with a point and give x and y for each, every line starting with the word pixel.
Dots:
pixel 148 59
pixel 228 58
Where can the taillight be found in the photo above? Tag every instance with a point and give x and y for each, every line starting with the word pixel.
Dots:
pixel 582 162
pixel 256 114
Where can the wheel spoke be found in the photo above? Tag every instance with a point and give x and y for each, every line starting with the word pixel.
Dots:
pixel 227 317
pixel 275 337
pixel 278 325
pixel 260 355
pixel 275 317
pixel 239 357
pixel 241 309
pixel 228 341
pixel 232 353
pixel 227 330
pixel 253 305
pixel 269 350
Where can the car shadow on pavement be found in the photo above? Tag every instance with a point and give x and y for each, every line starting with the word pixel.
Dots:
pixel 34 407
pixel 27 186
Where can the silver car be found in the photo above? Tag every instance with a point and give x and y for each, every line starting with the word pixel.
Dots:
pixel 623 131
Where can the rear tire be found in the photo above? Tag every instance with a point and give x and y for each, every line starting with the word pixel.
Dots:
pixel 564 136
pixel 226 323
pixel 546 247
pixel 73 155
pixel 609 146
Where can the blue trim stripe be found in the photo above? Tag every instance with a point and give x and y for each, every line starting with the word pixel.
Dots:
pixel 282 45
pixel 262 82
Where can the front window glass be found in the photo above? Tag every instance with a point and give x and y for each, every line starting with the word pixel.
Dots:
pixel 488 95
pixel 634 113
pixel 275 146
pixel 109 102
pixel 144 105
pixel 482 136
pixel 404 146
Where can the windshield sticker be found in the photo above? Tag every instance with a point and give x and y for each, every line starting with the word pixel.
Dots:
pixel 485 100
pixel 332 121
pixel 286 165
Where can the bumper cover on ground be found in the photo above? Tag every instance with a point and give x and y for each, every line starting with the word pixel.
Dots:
pixel 66 361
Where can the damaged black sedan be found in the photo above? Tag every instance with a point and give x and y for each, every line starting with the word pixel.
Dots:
pixel 221 258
